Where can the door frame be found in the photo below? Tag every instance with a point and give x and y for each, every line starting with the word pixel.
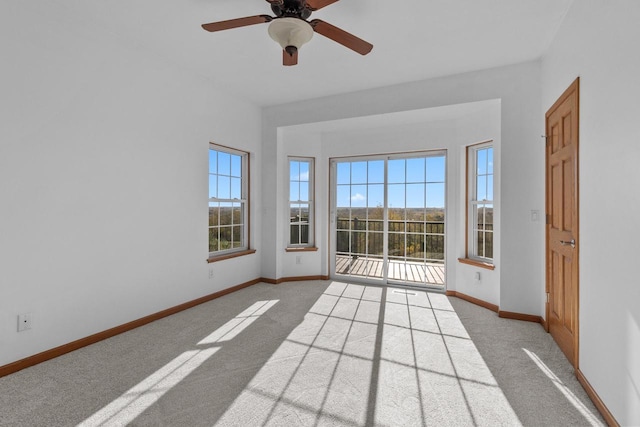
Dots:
pixel 574 88
pixel 384 280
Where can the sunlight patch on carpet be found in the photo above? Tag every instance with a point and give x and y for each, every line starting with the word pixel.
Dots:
pixel 589 417
pixel 132 403
pixel 136 400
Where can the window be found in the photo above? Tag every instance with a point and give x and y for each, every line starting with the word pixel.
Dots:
pixel 300 202
pixel 228 200
pixel 480 203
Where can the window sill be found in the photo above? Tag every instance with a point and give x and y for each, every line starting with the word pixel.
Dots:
pixel 477 263
pixel 302 249
pixel 216 258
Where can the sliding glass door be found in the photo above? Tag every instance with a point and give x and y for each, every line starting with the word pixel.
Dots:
pixel 388 218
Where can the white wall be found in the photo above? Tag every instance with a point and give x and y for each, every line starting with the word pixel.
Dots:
pixel 521 274
pixel 472 130
pixel 599 42
pixel 103 180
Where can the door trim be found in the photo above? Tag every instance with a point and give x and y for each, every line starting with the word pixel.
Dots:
pixel 574 88
pixel 332 246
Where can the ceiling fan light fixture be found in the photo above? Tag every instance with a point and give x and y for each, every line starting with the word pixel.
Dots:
pixel 290 32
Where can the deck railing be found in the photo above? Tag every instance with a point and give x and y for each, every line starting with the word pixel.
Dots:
pixel 419 240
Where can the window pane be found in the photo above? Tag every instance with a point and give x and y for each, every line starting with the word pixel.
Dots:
pixel 304 234
pixel 396 245
pixel 237 214
pixel 236 188
pixel 415 195
pixel 480 248
pixel 213 186
pixel 480 217
pixel 294 191
pixel 359 172
pixel 415 246
pixel 344 173
pixel 237 236
pixel 304 172
pixel 481 162
pixel 224 187
pixel 294 213
pixel 375 222
pixel 225 238
pixel 304 191
pixel 360 224
pixel 435 169
pixel 294 170
pixel 343 196
pixel 415 224
pixel 294 234
pixel 236 166
pixel 343 219
pixel 304 213
pixel 358 242
pixel 481 193
pixel 213 239
pixel 395 171
pixel 213 161
pixel 396 220
pixel 224 163
pixel 435 196
pixel 213 214
pixel 375 196
pixel 358 195
pixel 376 244
pixel 225 214
pixel 415 170
pixel 435 247
pixel 342 241
pixel 376 172
pixel 396 196
pixel 488 218
pixel 488 244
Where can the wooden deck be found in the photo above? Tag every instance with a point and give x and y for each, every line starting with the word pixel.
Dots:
pixel 404 271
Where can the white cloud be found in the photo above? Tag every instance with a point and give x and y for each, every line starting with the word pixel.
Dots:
pixel 302 177
pixel 358 198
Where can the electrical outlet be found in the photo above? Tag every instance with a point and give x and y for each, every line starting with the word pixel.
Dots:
pixel 477 276
pixel 211 273
pixel 24 322
pixel 298 259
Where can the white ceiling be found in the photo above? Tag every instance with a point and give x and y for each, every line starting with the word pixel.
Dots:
pixel 413 40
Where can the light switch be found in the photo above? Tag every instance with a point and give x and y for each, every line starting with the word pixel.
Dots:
pixel 535 215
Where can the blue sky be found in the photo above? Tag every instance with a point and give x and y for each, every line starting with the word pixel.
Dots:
pixel 361 184
pixel 225 172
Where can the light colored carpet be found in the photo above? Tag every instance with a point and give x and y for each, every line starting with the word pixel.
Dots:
pixel 309 353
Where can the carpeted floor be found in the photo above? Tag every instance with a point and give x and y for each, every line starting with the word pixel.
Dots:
pixel 310 353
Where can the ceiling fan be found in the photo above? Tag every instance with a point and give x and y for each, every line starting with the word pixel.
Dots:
pixel 290 28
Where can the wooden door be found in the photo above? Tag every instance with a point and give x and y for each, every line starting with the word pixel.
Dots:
pixel 562 222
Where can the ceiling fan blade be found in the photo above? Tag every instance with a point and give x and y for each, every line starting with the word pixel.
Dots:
pixel 318 4
pixel 235 23
pixel 341 36
pixel 289 59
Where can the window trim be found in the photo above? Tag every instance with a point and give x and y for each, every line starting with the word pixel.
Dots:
pixel 470 183
pixel 310 245
pixel 245 177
